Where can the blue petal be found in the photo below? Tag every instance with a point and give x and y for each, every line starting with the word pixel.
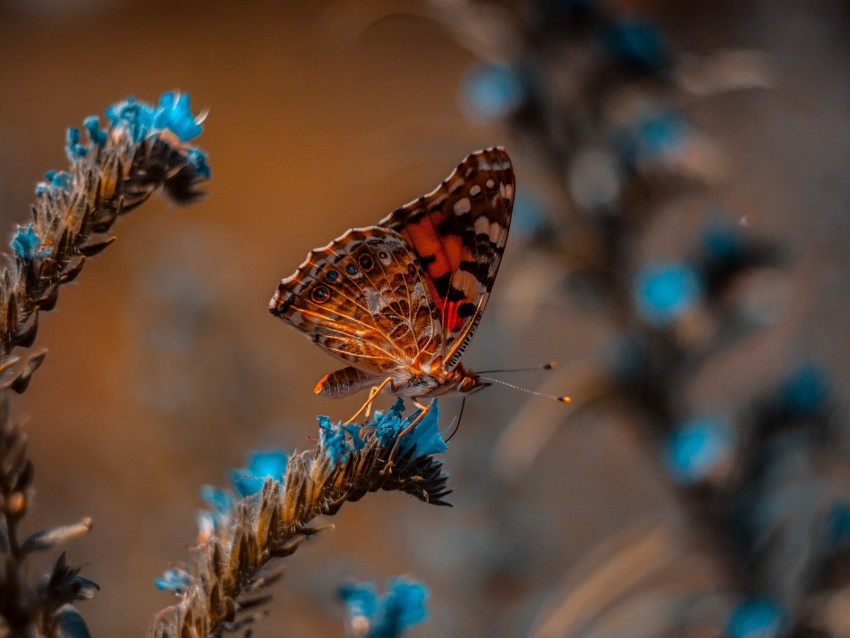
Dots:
pixel 332 441
pixel 262 465
pixel 664 292
pixel 175 114
pixel 425 439
pixel 96 135
pixel 26 243
pixel 73 148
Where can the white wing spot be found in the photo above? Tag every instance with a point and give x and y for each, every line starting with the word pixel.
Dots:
pixel 475 190
pixel 490 184
pixel 495 230
pixel 462 206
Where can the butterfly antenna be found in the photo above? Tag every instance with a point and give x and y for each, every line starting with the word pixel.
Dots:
pixel 562 399
pixel 459 417
pixel 546 366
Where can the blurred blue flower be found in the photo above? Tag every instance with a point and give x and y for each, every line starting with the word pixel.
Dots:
pixel 175 580
pixel 529 215
pixel 491 92
pixel 805 391
pixel 388 616
pixel 26 243
pixel 723 241
pixel 756 618
pixel 425 439
pixel 838 525
pixel 637 43
pixel 653 137
pixel 695 448
pixel 664 292
pixel 262 465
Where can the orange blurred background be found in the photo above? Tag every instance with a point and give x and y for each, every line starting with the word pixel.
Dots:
pixel 165 368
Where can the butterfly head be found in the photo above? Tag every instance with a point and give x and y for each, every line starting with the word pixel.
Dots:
pixel 469 382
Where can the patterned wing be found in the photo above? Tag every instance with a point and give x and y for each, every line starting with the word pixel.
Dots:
pixel 364 299
pixel 458 233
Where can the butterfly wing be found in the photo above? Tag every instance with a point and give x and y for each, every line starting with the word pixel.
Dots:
pixel 458 232
pixel 364 299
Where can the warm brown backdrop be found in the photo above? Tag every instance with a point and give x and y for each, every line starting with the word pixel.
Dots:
pixel 165 368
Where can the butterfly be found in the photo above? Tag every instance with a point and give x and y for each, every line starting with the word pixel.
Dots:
pixel 400 301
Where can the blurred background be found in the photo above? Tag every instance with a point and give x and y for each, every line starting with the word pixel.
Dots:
pixel 679 247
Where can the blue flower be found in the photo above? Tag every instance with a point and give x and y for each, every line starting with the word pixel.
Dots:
pixel 26 243
pixel 838 525
pixel 805 391
pixel 654 136
pixel 664 292
pixel 175 114
pixel 723 241
pixel 174 580
pixel 661 133
pixel 261 466
pixel 425 439
pixel 337 440
pixel 92 126
pixel 73 148
pixel 697 447
pixel 136 116
pixel 403 606
pixel 637 43
pixel 59 179
pixel 756 618
pixel 490 92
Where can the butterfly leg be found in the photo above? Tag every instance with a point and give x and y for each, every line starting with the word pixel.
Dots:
pixel 423 410
pixel 373 392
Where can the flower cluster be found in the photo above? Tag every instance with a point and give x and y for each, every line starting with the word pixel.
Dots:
pixel 144 148
pixel 600 98
pixel 273 506
pixel 118 169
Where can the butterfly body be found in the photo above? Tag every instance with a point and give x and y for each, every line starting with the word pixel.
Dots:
pixel 399 301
